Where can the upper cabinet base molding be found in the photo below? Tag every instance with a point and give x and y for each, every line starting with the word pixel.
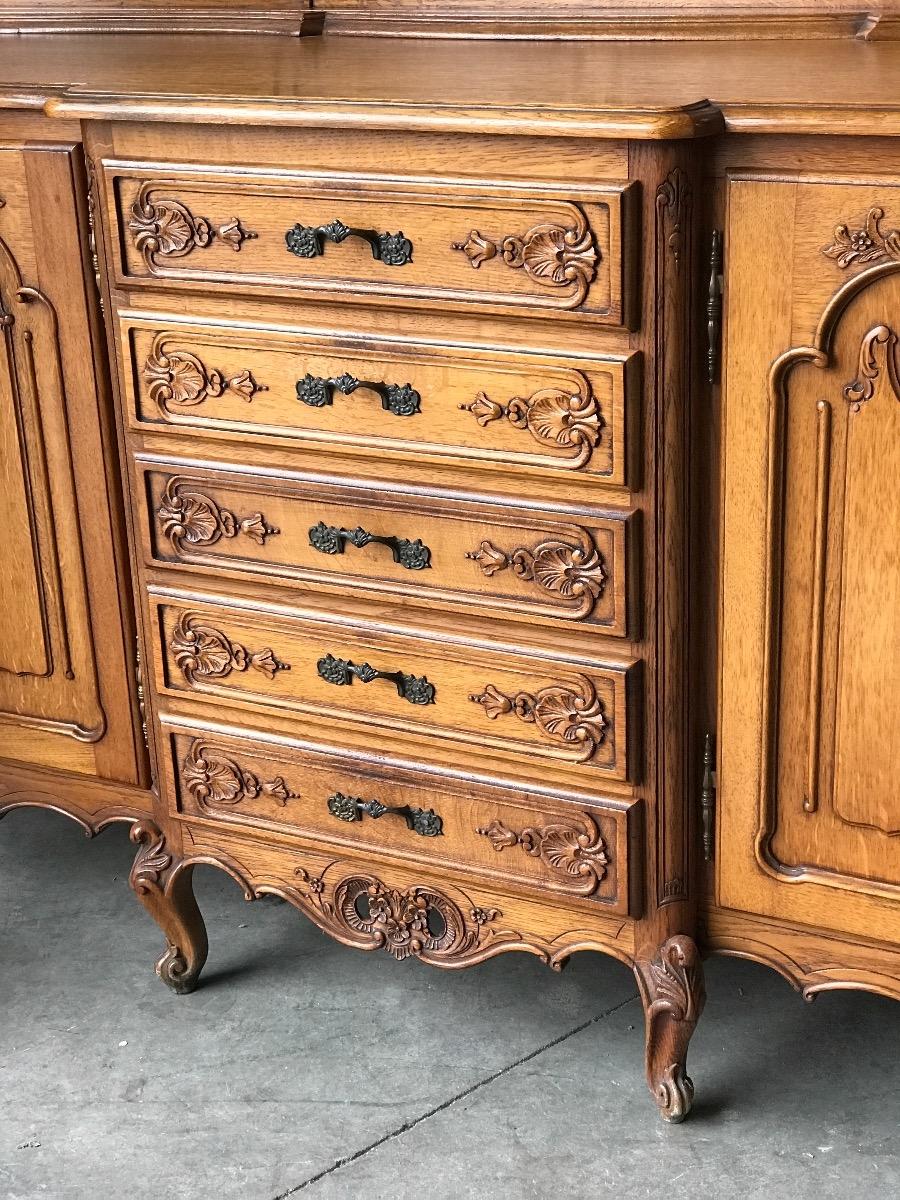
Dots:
pixel 450 475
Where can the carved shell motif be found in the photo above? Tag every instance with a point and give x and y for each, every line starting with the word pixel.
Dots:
pixel 204 652
pixel 552 254
pixel 573 572
pixel 575 851
pixel 190 517
pixel 166 228
pixel 178 379
pixel 214 779
pixel 572 714
pixel 554 417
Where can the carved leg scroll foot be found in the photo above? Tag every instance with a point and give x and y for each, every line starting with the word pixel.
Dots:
pixel 673 994
pixel 163 885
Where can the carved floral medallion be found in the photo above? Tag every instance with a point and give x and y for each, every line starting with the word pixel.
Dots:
pixel 864 244
pixel 189 517
pixel 551 254
pixel 569 713
pixel 553 416
pixel 413 922
pixel 178 379
pixel 216 780
pixel 573 850
pixel 203 652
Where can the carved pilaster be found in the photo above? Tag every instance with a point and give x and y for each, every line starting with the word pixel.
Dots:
pixel 672 352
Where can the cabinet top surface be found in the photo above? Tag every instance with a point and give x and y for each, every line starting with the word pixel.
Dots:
pixel 597 89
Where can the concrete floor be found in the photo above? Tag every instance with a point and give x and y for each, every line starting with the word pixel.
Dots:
pixel 301 1068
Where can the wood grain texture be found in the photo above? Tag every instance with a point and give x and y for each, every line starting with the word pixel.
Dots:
pixel 536 414
pixel 426 584
pixel 583 849
pixel 409 913
pixel 488 247
pixel 574 719
pixel 813 637
pixel 92 803
pixel 812 961
pixel 641 89
pixel 66 700
pixel 461 556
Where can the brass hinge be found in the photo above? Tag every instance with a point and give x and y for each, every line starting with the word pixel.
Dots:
pixel 714 308
pixel 708 798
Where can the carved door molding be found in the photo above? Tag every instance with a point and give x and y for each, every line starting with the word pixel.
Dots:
pixel 68 697
pixel 857 434
pixel 809 815
pixel 39 682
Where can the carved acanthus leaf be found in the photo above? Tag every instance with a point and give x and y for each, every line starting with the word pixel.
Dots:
pixel 879 343
pixel 674 995
pixel 414 922
pixel 673 210
pixel 864 244
pixel 570 713
pixel 153 859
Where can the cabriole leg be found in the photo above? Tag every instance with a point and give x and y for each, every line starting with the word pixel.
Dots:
pixel 163 884
pixel 673 995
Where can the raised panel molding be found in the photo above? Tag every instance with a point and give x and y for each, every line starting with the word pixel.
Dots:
pixel 41 684
pixel 845 504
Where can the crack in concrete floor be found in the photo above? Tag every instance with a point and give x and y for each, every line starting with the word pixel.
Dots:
pixel 449 1103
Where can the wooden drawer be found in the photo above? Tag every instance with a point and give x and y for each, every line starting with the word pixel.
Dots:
pixel 531 413
pixel 394 542
pixel 493 247
pixel 405 688
pixel 576 847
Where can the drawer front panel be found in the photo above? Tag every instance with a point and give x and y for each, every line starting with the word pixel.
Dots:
pixel 340 675
pixel 491 409
pixel 491 247
pixel 457 553
pixel 576 850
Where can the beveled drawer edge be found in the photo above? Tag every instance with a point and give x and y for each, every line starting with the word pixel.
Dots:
pixel 628 817
pixel 620 414
pixel 626 684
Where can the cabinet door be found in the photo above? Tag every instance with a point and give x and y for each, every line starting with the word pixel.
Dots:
pixel 809 798
pixel 66 650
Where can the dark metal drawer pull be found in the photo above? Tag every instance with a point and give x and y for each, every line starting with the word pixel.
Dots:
pixel 308 241
pixel 329 539
pixel 423 821
pixel 401 399
pixel 341 671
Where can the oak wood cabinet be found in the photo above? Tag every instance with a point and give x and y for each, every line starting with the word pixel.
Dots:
pixel 807 790
pixel 507 441
pixel 67 648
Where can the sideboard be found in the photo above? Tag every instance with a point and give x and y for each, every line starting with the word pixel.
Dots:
pixel 447 475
